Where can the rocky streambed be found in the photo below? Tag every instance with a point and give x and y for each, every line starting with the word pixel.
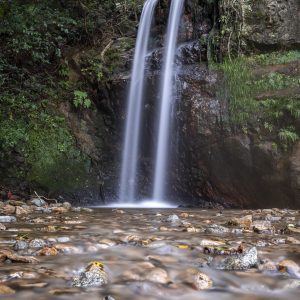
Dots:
pixel 56 251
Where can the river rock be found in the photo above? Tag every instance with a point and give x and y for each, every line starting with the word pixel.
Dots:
pixel 242 261
pixel 38 202
pixel 2 227
pixel 95 277
pixel 196 279
pixel 216 229
pixel 15 202
pixel 289 267
pixel 60 210
pixel 68 249
pixel 67 205
pixel 63 239
pixel 158 275
pixel 76 209
pixel 8 219
pixel 109 298
pixel 21 245
pixel 5 290
pixel 291 240
pixel 8 209
pixel 37 243
pixel 47 251
pixel 86 209
pixel 174 219
pixel 244 222
pixel 44 210
pixel 22 210
pixel 262 226
pixel 267 265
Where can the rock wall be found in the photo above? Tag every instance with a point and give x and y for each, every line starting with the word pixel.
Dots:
pixel 210 163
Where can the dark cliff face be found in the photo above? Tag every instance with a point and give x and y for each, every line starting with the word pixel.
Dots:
pixel 210 162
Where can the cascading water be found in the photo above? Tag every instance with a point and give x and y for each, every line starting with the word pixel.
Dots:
pixel 135 99
pixel 166 100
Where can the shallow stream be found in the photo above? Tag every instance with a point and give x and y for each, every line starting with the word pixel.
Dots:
pixel 131 243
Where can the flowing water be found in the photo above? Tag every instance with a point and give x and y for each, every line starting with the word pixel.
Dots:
pixel 134 110
pixel 133 243
pixel 162 152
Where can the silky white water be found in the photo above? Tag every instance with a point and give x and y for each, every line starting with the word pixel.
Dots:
pixel 134 110
pixel 167 87
pixel 143 204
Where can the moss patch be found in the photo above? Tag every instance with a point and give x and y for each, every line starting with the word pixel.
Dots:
pixel 250 103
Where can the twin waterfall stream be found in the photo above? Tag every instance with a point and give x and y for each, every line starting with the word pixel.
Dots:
pixel 130 158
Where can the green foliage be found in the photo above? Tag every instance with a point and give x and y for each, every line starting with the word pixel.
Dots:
pixel 38 39
pixel 281 57
pixel 43 139
pixel 81 99
pixel 277 116
pixel 237 77
pixel 288 135
pixel 275 81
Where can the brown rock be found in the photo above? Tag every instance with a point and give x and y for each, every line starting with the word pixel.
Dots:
pixel 48 251
pixel 5 290
pixel 196 279
pixel 291 240
pixel 60 210
pixel 15 203
pixel 288 266
pixel 8 209
pixel 184 215
pixel 8 254
pixel 2 227
pixel 158 275
pixel 21 211
pixel 262 226
pixel 245 222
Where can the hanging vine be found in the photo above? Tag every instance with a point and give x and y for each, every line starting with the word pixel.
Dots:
pixel 233 14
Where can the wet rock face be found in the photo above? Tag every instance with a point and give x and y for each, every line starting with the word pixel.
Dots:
pixel 273 24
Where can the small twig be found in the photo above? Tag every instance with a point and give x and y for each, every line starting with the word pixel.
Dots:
pixel 105 49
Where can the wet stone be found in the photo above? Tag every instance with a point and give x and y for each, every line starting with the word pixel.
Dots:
pixel 93 277
pixel 21 245
pixel 245 222
pixel 158 275
pixel 2 227
pixel 47 251
pixel 5 290
pixel 216 229
pixel 196 279
pixel 261 226
pixel 8 209
pixel 63 239
pixel 86 209
pixel 290 267
pixel 291 240
pixel 172 218
pixel 38 202
pixel 76 209
pixel 44 210
pixel 243 261
pixel 109 298
pixel 8 219
pixel 37 243
pixel 67 205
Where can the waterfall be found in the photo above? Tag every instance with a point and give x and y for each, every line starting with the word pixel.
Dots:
pixel 134 109
pixel 161 162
